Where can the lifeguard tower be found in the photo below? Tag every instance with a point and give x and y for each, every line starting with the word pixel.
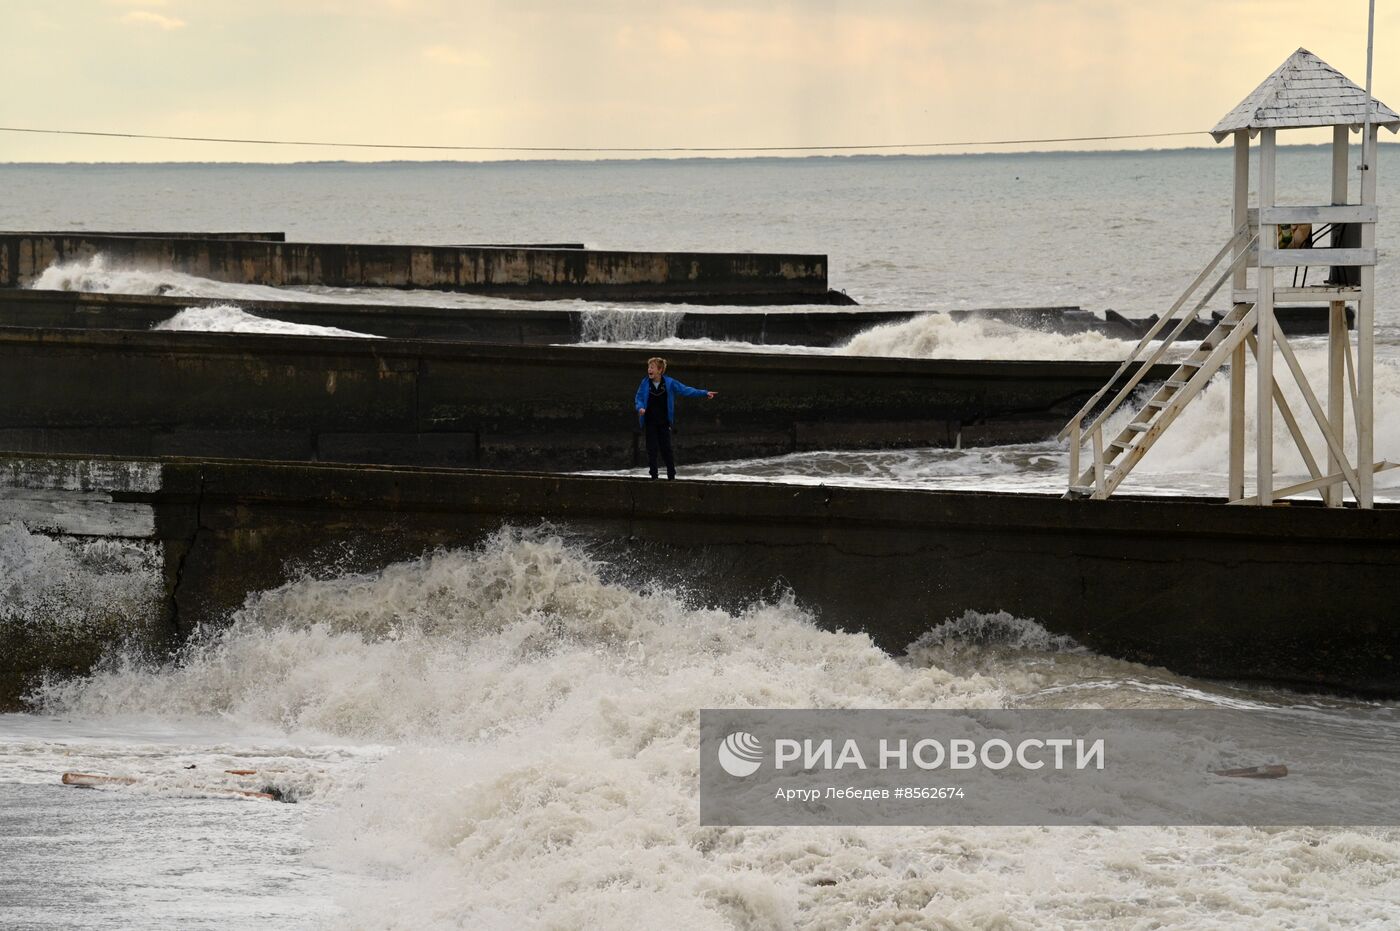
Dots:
pixel 1290 249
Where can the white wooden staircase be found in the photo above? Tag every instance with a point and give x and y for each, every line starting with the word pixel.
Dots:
pixel 1112 462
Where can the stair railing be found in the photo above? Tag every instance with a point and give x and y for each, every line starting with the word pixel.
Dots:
pixel 1075 429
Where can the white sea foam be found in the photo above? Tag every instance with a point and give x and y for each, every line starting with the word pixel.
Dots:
pixel 99 275
pixel 87 587
pixel 928 336
pixel 940 336
pixel 226 318
pixel 1198 442
pixel 547 769
pixel 374 656
pixel 972 630
pixel 628 325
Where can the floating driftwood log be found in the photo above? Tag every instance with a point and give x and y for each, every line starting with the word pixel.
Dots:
pixel 99 780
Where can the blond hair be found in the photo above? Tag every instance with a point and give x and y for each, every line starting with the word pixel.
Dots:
pixel 660 362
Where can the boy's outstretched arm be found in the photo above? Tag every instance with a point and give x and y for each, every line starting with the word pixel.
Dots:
pixel 690 392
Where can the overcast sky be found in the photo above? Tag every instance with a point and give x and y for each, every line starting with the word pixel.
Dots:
pixel 657 73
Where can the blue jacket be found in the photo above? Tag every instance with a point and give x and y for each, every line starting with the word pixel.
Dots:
pixel 673 388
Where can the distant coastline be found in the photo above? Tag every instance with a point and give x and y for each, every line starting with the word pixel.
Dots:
pixel 680 159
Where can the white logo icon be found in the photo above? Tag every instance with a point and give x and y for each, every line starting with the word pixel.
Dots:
pixel 740 754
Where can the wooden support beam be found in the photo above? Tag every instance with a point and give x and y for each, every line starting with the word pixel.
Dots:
pixel 1333 441
pixel 1341 156
pixel 1237 388
pixel 1294 258
pixel 1098 462
pixel 1351 377
pixel 1240 213
pixel 1286 410
pixel 1365 329
pixel 1339 213
pixel 1338 344
pixel 1075 441
pixel 1264 327
pixel 1241 216
pixel 1338 339
pixel 1316 483
pixel 1310 294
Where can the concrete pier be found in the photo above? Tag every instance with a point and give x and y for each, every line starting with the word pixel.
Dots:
pixel 153 234
pixel 513 325
pixel 1150 580
pixel 423 403
pixel 519 273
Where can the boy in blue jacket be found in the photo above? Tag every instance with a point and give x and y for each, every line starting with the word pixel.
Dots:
pixel 656 409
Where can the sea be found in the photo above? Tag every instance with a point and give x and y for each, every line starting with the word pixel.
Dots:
pixel 505 737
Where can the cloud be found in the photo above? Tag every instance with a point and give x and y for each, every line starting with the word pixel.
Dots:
pixel 147 18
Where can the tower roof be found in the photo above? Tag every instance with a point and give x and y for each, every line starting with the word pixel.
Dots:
pixel 1304 91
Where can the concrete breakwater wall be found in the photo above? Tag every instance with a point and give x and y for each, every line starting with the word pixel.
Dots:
pixel 526 325
pixel 460 404
pixel 522 273
pixel 512 325
pixel 1155 581
pixel 150 234
pixel 791 327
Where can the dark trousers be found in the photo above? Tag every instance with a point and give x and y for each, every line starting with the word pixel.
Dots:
pixel 659 440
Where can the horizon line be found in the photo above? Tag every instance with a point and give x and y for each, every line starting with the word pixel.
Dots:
pixel 829 155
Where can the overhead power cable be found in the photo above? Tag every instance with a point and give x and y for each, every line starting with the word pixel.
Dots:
pixel 595 149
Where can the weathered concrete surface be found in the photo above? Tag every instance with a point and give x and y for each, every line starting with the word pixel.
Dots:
pixel 786 327
pixel 419 403
pixel 1300 596
pixel 820 328
pixel 84 310
pixel 1292 320
pixel 518 245
pixel 515 325
pixel 152 234
pixel 522 273
pixel 512 325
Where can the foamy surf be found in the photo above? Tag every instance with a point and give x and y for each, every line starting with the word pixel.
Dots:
pixel 60 587
pixel 1199 438
pixel 98 274
pixel 546 725
pixel 629 325
pixel 940 336
pixel 928 336
pixel 227 318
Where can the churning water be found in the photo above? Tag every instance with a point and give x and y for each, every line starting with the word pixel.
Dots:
pixel 505 737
